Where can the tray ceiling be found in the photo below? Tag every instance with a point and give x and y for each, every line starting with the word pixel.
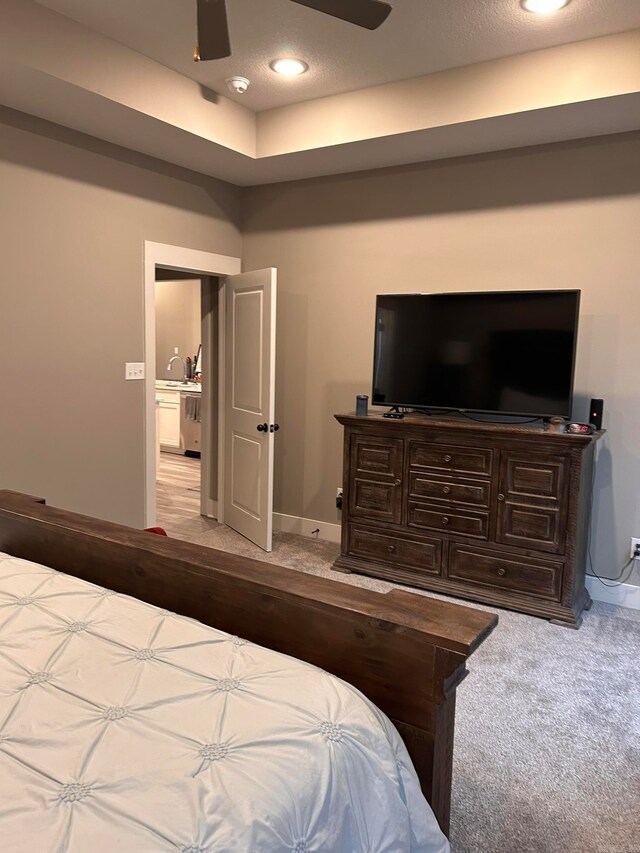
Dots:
pixel 419 37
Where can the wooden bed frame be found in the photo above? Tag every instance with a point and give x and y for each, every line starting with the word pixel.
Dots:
pixel 405 652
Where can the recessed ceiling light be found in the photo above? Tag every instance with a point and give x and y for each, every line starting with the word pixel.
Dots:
pixel 289 67
pixel 543 7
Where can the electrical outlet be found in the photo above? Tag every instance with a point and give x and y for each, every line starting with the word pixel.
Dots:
pixel 635 543
pixel 134 370
pixel 339 492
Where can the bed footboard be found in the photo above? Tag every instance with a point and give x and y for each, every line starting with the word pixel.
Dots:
pixel 405 652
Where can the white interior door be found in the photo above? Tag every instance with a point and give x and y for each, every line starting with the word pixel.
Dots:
pixel 250 335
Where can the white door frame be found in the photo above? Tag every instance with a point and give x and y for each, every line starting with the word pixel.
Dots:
pixel 199 263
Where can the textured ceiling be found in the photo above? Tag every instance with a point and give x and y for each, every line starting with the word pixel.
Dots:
pixel 419 37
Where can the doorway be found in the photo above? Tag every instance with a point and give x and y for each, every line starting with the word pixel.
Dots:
pixel 241 308
pixel 210 268
pixel 180 382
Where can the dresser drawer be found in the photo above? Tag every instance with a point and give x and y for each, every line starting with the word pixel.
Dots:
pixel 377 500
pixel 511 573
pixel 448 520
pixel 382 457
pixel 443 457
pixel 473 492
pixel 423 555
pixel 529 478
pixel 530 527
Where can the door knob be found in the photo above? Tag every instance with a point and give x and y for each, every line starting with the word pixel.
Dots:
pixel 274 427
pixel 263 427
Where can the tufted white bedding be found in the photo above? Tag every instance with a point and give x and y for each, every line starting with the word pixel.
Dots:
pixel 127 728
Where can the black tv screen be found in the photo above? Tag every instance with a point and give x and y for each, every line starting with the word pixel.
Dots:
pixel 510 353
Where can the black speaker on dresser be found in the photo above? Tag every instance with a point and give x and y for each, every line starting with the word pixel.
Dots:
pixel 596 407
pixel 362 405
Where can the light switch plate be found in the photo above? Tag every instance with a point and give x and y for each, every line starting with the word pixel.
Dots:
pixel 134 370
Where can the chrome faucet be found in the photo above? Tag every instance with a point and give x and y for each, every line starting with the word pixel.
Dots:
pixel 185 381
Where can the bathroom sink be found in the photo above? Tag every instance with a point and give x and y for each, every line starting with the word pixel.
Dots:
pixel 176 385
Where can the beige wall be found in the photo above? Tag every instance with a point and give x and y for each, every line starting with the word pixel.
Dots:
pixel 178 322
pixel 560 216
pixel 74 215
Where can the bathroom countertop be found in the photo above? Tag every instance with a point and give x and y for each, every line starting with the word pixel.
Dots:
pixel 176 385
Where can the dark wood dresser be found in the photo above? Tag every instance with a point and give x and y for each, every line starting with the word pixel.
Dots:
pixel 497 513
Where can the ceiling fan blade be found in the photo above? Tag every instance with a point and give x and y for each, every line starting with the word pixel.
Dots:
pixel 365 13
pixel 213 31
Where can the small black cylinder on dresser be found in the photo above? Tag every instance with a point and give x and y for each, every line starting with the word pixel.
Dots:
pixel 362 405
pixel 596 408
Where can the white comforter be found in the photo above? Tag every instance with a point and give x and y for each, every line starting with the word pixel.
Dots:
pixel 127 728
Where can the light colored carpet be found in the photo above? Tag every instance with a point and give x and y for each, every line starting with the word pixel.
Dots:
pixel 547 751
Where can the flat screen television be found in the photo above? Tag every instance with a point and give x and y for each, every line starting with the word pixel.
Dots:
pixel 507 353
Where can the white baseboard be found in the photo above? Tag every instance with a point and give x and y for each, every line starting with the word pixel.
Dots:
pixel 305 527
pixel 624 595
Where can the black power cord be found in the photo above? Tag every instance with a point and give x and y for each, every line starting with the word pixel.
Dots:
pixel 465 414
pixel 618 580
pixel 504 423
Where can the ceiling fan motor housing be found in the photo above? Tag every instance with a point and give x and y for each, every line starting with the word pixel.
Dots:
pixel 213 29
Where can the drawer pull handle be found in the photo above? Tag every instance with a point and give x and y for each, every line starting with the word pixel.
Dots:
pixel 500 497
pixel 397 482
pixel 446 490
pixel 391 549
pixel 502 572
pixel 445 519
pixel 448 458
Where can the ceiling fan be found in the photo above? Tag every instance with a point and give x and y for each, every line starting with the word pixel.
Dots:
pixel 213 31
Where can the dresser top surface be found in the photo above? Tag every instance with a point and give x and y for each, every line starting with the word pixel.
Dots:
pixel 460 422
